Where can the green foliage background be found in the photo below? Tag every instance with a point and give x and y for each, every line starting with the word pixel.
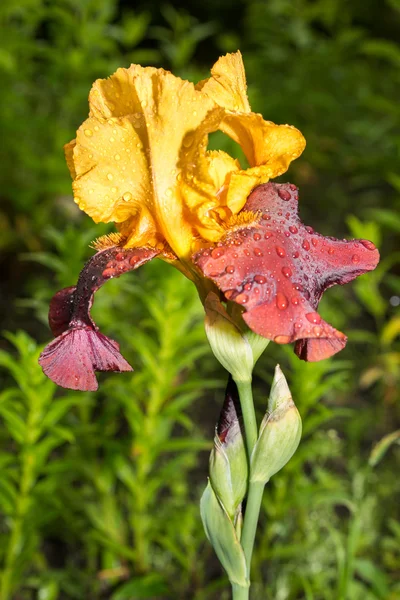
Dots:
pixel 99 492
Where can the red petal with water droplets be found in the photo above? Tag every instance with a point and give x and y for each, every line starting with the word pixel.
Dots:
pixel 281 269
pixel 71 359
pixel 80 350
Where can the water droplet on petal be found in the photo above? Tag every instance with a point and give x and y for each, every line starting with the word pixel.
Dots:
pixel 282 339
pixel 313 317
pixel 331 251
pixel 117 157
pixel 306 244
pixel 295 300
pixel 317 330
pixel 127 196
pixel 293 229
pixel 286 271
pixel 168 192
pixel 242 298
pixel 281 301
pixel 260 279
pixel 309 229
pixel 280 251
pixel 267 235
pixel 314 242
pixel 216 253
pixel 88 132
pixel 295 254
pixel 110 176
pixel 256 237
pixel 355 259
pixel 230 269
pixel 257 252
pixel 284 194
pixel 188 140
pixel 367 244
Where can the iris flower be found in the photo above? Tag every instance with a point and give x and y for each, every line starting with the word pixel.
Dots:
pixel 140 161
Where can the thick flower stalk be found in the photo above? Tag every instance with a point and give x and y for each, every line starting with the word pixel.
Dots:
pixel 140 161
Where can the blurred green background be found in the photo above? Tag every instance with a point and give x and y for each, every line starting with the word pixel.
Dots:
pixel 99 492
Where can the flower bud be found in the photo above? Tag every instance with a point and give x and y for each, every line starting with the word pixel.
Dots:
pixel 228 461
pixel 222 535
pixel 280 432
pixel 229 345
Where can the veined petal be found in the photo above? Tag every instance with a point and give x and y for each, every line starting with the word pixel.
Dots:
pixel 278 269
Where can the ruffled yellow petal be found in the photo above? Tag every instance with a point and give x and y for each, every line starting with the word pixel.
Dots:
pixel 141 161
pixel 128 167
pixel 227 84
pixel 263 142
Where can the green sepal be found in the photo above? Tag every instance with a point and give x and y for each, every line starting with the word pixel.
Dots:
pixel 222 535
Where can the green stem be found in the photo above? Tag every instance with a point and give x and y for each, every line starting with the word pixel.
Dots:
pixel 249 415
pixel 256 489
pixel 254 498
pixel 239 592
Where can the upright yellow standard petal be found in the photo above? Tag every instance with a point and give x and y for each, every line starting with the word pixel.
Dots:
pixel 266 145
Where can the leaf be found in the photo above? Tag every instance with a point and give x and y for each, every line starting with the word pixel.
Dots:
pixel 382 447
pixel 148 586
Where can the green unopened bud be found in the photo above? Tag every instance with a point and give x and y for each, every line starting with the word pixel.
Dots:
pixel 230 346
pixel 228 461
pixel 222 535
pixel 280 432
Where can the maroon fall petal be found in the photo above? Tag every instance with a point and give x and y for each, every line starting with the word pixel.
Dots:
pixel 278 269
pixel 80 349
pixel 72 358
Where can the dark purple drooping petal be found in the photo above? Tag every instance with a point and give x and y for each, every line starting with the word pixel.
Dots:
pixel 278 269
pixel 80 349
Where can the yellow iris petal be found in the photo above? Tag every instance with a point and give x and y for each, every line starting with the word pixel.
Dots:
pixel 263 142
pixel 140 159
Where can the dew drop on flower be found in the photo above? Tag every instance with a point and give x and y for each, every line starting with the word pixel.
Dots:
pixel 283 194
pixel 168 192
pixel 230 269
pixel 117 157
pixel 88 132
pixel 257 237
pixel 306 244
pixel 260 279
pixel 110 176
pixel 286 271
pixel 313 317
pixel 216 253
pixel 368 245
pixel 280 251
pixel 293 229
pixel 127 196
pixel 257 252
pixel 241 298
pixel 355 259
pixel 281 301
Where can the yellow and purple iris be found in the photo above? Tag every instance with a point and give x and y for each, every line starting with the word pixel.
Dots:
pixel 141 161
